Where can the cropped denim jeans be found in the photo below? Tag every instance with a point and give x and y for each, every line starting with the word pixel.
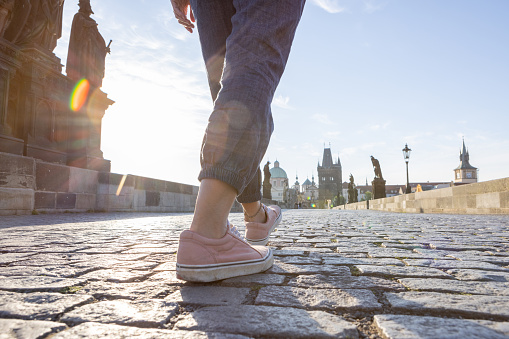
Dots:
pixel 245 45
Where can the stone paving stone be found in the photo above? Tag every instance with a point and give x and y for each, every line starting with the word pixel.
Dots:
pixel 284 268
pixel 406 326
pixel 40 306
pixel 60 271
pixel 471 287
pixel 405 271
pixel 357 261
pixel 139 290
pixel 37 283
pixel 15 328
pixel 7 258
pixel 209 295
pixel 481 275
pixel 167 266
pixel 471 305
pixel 143 313
pixel 254 280
pixel 116 275
pixel 91 330
pixel 308 249
pixel 287 252
pixel 274 322
pixel 345 282
pixel 166 277
pixel 298 260
pixel 449 264
pixel 328 299
pixel 502 327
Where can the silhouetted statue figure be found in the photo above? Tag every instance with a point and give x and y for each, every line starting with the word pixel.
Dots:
pixel 352 191
pixel 267 194
pixel 376 167
pixel 87 49
pixel 36 22
pixel 6 9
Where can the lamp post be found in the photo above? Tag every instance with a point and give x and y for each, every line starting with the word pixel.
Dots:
pixel 406 155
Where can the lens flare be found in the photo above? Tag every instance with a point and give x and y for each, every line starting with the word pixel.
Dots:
pixel 313 205
pixel 79 95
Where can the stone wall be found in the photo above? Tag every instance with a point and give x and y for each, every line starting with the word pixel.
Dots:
pixel 489 197
pixel 29 185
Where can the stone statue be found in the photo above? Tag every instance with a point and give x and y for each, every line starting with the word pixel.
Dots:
pixel 376 167
pixel 267 194
pixel 6 8
pixel 87 49
pixel 36 22
pixel 352 191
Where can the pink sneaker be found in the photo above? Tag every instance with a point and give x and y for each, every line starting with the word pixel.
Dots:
pixel 259 233
pixel 203 259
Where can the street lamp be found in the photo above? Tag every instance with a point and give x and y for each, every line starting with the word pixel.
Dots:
pixel 406 155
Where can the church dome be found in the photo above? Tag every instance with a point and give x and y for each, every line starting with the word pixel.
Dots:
pixel 277 172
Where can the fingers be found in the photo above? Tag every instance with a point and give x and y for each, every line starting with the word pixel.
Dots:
pixel 182 18
pixel 191 14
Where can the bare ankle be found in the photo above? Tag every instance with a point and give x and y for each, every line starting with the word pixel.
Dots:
pixel 254 212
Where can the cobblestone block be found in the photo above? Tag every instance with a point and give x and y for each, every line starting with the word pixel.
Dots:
pixel 450 264
pixel 36 283
pixel 143 313
pixel 15 328
pixel 463 274
pixel 116 275
pixel 345 282
pixel 7 258
pixel 139 290
pixel 471 305
pixel 209 295
pixel 40 306
pixel 329 299
pixel 284 268
pixel 471 287
pixel 406 271
pixel 406 326
pixel 268 321
pixel 359 261
pixel 254 279
pixel 48 271
pixel 92 330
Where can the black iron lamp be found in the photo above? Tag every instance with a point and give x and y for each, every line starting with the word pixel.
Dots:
pixel 406 155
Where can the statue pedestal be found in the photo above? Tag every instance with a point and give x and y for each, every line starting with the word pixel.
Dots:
pixel 267 194
pixel 378 188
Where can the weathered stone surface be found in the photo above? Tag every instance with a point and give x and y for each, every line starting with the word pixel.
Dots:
pixel 144 313
pixel 116 275
pixel 254 279
pixel 473 305
pixel 139 290
pixel 406 326
pixel 15 328
pixel 92 330
pixel 406 271
pixel 454 264
pixel 329 299
pixel 481 275
pixel 359 261
pixel 7 258
pixel 36 283
pixel 167 277
pixel 40 306
pixel 284 268
pixel 471 287
pixel 298 260
pixel 209 295
pixel 268 321
pixel 345 282
pixel 60 271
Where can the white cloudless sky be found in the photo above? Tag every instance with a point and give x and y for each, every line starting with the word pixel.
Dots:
pixel 366 77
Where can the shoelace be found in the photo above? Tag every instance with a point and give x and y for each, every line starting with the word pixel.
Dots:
pixel 235 230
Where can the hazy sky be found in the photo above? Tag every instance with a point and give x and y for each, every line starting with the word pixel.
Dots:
pixel 365 76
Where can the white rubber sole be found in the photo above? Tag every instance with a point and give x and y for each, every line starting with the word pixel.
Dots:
pixel 208 273
pixel 264 241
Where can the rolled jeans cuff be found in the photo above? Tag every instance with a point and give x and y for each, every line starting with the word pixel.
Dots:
pixel 251 197
pixel 226 176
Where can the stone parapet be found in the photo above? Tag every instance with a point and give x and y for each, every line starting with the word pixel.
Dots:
pixel 489 197
pixel 29 186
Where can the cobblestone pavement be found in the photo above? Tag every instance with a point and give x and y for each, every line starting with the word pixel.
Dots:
pixel 350 274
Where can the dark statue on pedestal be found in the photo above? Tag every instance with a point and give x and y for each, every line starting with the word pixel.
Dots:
pixel 35 117
pixel 353 194
pixel 378 182
pixel 87 49
pixel 267 186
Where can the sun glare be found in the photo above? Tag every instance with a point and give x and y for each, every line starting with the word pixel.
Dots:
pixel 79 95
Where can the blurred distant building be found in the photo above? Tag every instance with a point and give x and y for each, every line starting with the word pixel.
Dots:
pixel 330 177
pixel 465 173
pixel 279 181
